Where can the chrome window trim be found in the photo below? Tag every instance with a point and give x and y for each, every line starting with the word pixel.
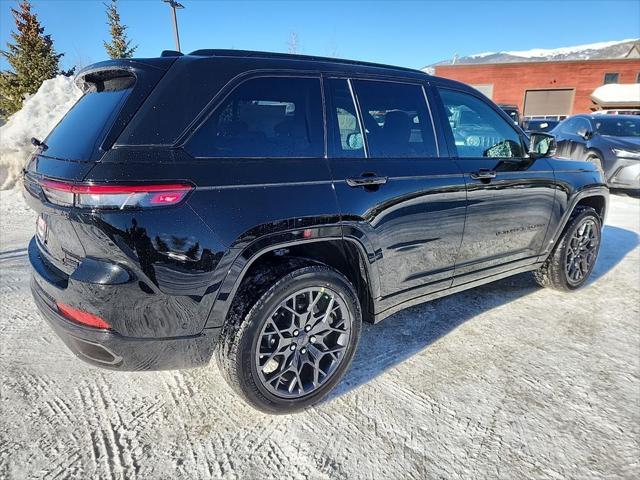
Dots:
pixel 360 122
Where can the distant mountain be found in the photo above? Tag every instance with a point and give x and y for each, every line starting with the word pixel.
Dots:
pixel 616 49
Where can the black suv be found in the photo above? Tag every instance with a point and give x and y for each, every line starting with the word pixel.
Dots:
pixel 261 206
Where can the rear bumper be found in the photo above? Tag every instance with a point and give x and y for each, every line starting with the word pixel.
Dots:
pixel 107 348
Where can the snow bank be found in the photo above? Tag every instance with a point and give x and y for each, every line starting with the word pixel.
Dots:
pixel 39 114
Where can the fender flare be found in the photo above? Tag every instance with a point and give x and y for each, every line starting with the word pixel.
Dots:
pixel 247 256
pixel 590 191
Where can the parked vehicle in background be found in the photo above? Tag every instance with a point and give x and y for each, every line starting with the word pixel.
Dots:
pixel 626 111
pixel 263 205
pixel 533 126
pixel 611 142
pixel 555 118
pixel 512 110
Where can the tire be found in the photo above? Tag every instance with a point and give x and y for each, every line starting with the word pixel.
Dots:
pixel 239 353
pixel 558 270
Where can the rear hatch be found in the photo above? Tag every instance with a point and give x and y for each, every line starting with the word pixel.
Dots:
pixel 113 91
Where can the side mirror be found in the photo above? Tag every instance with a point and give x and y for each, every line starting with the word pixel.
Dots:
pixel 355 141
pixel 542 145
pixel 584 133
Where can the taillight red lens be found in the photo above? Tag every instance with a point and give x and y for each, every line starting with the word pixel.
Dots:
pixel 80 316
pixel 58 192
pixel 114 196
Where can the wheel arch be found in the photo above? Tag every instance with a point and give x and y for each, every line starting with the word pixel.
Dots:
pixel 595 151
pixel 348 255
pixel 594 197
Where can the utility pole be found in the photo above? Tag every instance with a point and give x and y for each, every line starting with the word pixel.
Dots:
pixel 174 6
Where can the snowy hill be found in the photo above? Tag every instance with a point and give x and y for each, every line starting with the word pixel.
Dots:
pixel 614 49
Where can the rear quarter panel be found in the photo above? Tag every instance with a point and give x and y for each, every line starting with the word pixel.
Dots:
pixel 241 202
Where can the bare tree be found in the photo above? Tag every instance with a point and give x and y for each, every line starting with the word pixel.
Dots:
pixel 293 45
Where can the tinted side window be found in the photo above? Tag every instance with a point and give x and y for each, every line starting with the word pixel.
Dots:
pixel 478 130
pixel 396 119
pixel 265 117
pixel 346 136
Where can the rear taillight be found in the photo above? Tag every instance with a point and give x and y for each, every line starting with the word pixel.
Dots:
pixel 114 196
pixel 80 316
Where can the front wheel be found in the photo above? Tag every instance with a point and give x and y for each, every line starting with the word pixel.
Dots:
pixel 571 263
pixel 295 343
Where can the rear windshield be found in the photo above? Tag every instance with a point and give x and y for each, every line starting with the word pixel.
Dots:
pixel 80 132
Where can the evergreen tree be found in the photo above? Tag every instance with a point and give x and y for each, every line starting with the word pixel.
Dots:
pixel 32 58
pixel 119 47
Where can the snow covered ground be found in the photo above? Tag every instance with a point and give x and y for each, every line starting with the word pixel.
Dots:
pixel 504 381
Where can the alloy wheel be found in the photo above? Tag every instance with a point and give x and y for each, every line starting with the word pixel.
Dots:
pixel 302 342
pixel 582 250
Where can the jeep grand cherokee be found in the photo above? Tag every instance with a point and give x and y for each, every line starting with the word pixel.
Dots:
pixel 258 207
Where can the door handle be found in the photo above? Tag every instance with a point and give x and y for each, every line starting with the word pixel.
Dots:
pixel 483 174
pixel 366 181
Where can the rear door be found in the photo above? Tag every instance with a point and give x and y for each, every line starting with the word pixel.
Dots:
pixel 510 196
pixel 392 184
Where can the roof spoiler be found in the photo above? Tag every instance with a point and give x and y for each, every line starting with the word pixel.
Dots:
pixel 171 53
pixel 126 66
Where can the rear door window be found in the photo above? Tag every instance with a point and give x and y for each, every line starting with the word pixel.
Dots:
pixel 265 117
pixel 478 130
pixel 396 119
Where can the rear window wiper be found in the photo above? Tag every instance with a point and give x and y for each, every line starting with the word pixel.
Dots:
pixel 37 143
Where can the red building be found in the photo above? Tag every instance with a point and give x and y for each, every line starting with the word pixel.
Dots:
pixel 546 88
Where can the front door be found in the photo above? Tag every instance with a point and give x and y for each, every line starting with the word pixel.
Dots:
pixel 392 185
pixel 510 196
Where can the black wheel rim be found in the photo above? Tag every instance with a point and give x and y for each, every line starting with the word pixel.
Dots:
pixel 302 342
pixel 582 250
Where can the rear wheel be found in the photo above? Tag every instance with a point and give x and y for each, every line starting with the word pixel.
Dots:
pixel 572 261
pixel 295 343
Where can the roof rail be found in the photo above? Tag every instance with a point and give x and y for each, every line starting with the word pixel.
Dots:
pixel 213 52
